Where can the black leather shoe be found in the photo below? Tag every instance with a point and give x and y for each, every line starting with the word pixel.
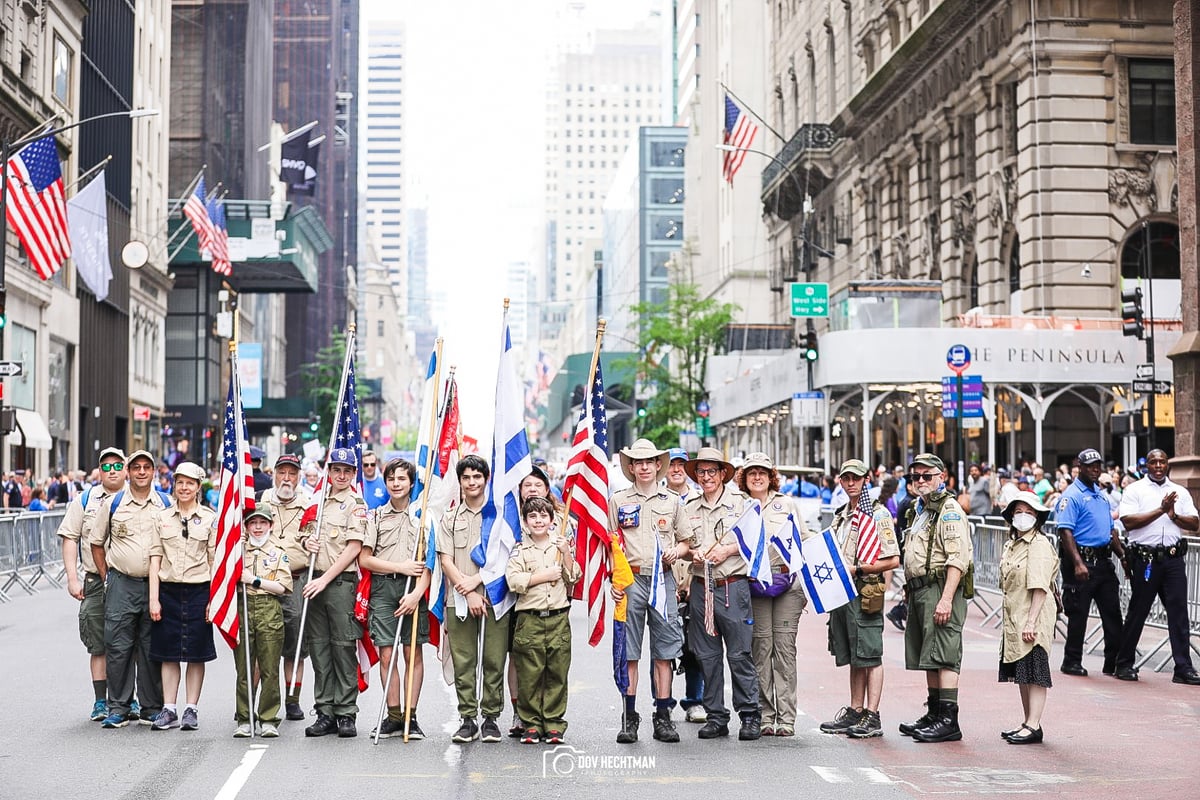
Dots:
pixel 713 730
pixel 1026 735
pixel 345 728
pixel 751 728
pixel 629 727
pixel 1126 674
pixel 294 712
pixel 1191 678
pixel 897 616
pixel 1074 669
pixel 908 728
pixel 324 726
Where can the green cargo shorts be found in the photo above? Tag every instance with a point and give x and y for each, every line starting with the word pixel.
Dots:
pixel 91 615
pixel 855 638
pixel 928 646
pixel 385 599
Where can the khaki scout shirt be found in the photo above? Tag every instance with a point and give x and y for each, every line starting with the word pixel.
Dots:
pixel 775 513
pixel 658 513
pixel 392 535
pixel 713 523
pixel 285 529
pixel 461 530
pixel 1029 562
pixel 847 537
pixel 343 520
pixel 78 521
pixel 133 525
pixel 269 562
pixel 185 559
pixel 527 558
pixel 941 533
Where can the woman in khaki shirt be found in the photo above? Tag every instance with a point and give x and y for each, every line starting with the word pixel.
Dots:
pixel 181 557
pixel 1028 574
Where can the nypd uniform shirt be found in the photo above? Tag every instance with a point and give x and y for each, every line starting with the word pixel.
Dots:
pixel 344 520
pixel 640 517
pixel 1146 495
pixel 1085 512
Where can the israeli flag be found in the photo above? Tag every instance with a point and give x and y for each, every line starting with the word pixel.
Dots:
pixel 786 541
pixel 752 542
pixel 658 583
pixel 427 432
pixel 437 583
pixel 826 579
pixel 511 462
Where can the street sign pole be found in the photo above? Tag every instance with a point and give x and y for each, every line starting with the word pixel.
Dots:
pixel 958 358
pixel 962 445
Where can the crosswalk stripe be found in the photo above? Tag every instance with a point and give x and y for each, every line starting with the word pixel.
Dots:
pixel 831 774
pixel 873 775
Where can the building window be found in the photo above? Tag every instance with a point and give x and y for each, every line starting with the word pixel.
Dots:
pixel 1152 102
pixel 62 71
pixel 1008 111
pixel 379 329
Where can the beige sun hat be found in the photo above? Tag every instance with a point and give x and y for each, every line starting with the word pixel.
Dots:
pixel 1030 499
pixel 709 454
pixel 639 450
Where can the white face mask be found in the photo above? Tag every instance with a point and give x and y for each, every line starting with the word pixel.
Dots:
pixel 1024 522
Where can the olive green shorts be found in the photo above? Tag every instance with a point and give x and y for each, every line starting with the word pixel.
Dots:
pixel 385 599
pixel 91 615
pixel 928 646
pixel 855 638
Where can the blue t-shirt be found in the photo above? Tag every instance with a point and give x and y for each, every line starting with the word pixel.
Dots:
pixel 375 492
pixel 1086 513
pixel 809 490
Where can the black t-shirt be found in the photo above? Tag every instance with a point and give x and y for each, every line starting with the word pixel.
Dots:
pixel 13 490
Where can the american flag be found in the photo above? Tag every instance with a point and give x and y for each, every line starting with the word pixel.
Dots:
pixel 237 494
pixel 586 488
pixel 740 131
pixel 36 206
pixel 868 534
pixel 219 246
pixel 196 210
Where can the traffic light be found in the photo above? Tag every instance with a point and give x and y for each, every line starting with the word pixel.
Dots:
pixel 314 424
pixel 641 411
pixel 3 313
pixel 809 345
pixel 1131 313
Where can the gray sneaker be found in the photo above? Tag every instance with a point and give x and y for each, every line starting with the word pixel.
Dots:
pixel 867 727
pixel 165 720
pixel 191 720
pixel 846 719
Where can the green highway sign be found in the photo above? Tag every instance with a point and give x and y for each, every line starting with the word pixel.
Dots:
pixel 810 299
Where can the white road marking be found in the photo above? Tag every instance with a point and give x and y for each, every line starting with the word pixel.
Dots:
pixel 865 774
pixel 873 775
pixel 237 779
pixel 831 774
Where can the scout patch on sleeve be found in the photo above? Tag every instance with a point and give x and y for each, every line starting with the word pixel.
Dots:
pixel 360 512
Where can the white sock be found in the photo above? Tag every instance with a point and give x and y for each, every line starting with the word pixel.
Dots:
pixel 169 707
pixel 192 707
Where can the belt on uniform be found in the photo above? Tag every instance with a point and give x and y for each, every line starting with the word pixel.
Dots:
pixel 915 584
pixel 130 577
pixel 635 570
pixel 782 569
pixel 553 612
pixel 390 576
pixel 299 572
pixel 1094 554
pixel 729 580
pixel 1159 553
pixel 342 576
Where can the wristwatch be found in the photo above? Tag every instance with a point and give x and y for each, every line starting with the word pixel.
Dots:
pixel 257 582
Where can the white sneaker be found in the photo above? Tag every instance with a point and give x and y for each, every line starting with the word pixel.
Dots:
pixel 697 714
pixel 268 731
pixel 243 732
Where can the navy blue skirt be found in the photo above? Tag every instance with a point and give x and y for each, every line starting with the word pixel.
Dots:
pixel 182 635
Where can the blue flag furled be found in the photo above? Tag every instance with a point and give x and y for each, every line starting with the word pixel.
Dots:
pixel 826 578
pixel 349 434
pixel 787 541
pixel 427 429
pixel 752 543
pixel 658 584
pixel 511 463
pixel 87 222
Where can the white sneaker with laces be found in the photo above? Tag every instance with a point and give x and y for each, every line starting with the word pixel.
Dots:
pixel 697 714
pixel 268 731
pixel 243 731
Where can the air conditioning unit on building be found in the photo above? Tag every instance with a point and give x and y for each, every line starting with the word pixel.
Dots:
pixel 33 8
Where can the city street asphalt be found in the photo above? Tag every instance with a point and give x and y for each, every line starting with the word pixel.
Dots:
pixel 1104 738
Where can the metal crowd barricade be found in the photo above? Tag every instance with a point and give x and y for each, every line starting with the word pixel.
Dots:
pixel 29 550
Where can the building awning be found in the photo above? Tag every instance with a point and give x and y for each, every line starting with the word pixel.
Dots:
pixel 31 431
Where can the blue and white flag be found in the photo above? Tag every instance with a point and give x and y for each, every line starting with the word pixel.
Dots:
pixel 786 541
pixel 511 463
pixel 87 223
pixel 427 431
pixel 752 542
pixel 826 579
pixel 437 582
pixel 658 583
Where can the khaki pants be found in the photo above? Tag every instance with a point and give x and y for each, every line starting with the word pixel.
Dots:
pixel 266 645
pixel 464 649
pixel 332 634
pixel 773 645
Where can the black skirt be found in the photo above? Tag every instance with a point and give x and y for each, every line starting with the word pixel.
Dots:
pixel 1033 668
pixel 182 635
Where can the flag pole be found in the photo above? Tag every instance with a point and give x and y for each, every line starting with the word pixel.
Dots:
pixel 751 111
pixel 178 204
pixel 87 173
pixel 566 510
pixel 241 489
pixel 333 432
pixel 435 442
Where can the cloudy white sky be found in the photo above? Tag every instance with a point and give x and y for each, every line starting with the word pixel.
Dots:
pixel 476 80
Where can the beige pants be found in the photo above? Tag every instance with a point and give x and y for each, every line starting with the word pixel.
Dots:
pixel 773 647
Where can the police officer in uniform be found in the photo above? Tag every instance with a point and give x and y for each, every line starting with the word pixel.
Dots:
pixel 120 540
pixel 1087 541
pixel 76 524
pixel 331 630
pixel 719 581
pixel 937 562
pixel 650 520
pixel 288 504
pixel 1156 512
